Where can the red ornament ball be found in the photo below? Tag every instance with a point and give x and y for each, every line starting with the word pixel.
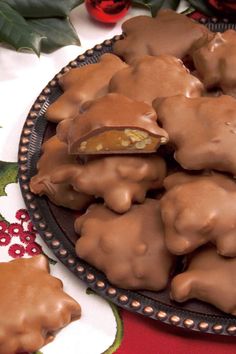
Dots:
pixel 107 11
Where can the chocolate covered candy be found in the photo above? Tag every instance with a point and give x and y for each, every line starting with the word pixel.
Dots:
pixel 54 157
pixel 197 210
pixel 128 248
pixel 150 77
pixel 119 180
pixel 209 277
pixel 167 33
pixel 83 84
pixel 113 124
pixel 202 130
pixel 33 305
pixel 215 61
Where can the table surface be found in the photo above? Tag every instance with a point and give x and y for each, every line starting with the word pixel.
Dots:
pixel 102 327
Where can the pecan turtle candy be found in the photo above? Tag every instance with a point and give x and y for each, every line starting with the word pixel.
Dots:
pixel 202 131
pixel 54 157
pixel 197 209
pixel 33 305
pixel 215 61
pixel 113 124
pixel 119 180
pixel 83 84
pixel 209 277
pixel 128 248
pixel 150 77
pixel 167 33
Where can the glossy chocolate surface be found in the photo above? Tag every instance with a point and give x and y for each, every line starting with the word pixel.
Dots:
pixel 54 158
pixel 119 180
pixel 83 84
pixel 199 209
pixel 33 305
pixel 128 248
pixel 167 33
pixel 209 277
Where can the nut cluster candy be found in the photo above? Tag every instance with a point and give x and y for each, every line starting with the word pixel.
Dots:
pixel 129 248
pixel 152 77
pixel 55 158
pixel 202 131
pixel 113 124
pixel 125 179
pixel 167 33
pixel 83 84
pixel 215 61
pixel 197 210
pixel 209 277
pixel 151 142
pixel 33 305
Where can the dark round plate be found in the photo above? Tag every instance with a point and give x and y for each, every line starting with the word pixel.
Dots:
pixel 55 224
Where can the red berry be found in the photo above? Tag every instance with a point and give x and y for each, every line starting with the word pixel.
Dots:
pixel 16 251
pixel 5 239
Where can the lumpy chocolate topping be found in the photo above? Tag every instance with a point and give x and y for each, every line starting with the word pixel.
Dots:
pixel 167 33
pixel 199 209
pixel 203 131
pixel 33 305
pixel 119 180
pixel 83 84
pixel 209 277
pixel 129 248
pixel 54 158
pixel 150 77
pixel 215 61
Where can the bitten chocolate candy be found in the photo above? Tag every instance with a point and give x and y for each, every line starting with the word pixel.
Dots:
pixel 119 180
pixel 113 124
pixel 167 33
pixel 54 157
pixel 151 77
pixel 215 61
pixel 128 248
pixel 199 209
pixel 33 305
pixel 203 131
pixel 83 84
pixel 209 277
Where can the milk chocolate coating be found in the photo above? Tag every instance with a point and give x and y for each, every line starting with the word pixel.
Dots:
pixel 83 84
pixel 197 210
pixel 54 158
pixel 113 124
pixel 210 278
pixel 33 305
pixel 151 77
pixel 119 180
pixel 128 248
pixel 203 131
pixel 167 33
pixel 215 61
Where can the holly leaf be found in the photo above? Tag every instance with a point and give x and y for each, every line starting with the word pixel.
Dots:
pixel 43 8
pixel 58 32
pixel 201 5
pixel 155 5
pixel 15 31
pixel 3 219
pixel 8 174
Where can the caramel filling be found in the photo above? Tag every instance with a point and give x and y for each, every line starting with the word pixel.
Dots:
pixel 119 140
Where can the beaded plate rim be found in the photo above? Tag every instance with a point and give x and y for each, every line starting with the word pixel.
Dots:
pixel 53 236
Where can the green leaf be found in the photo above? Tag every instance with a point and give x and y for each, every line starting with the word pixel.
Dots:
pixel 3 219
pixel 201 5
pixel 15 31
pixel 58 32
pixel 155 5
pixel 43 8
pixel 8 174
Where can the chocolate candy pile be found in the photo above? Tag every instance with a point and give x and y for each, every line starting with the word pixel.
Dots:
pixel 148 146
